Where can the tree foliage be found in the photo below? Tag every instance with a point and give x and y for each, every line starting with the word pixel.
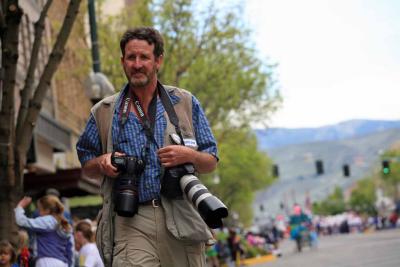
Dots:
pixel 209 52
pixel 333 204
pixel 110 30
pixel 363 198
pixel 242 170
pixel 212 55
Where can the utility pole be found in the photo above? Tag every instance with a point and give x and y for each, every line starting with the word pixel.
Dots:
pixel 93 36
pixel 97 85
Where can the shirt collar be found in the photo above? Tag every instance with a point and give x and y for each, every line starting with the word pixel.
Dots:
pixel 124 91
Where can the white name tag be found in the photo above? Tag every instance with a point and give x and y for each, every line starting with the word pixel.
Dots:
pixel 190 142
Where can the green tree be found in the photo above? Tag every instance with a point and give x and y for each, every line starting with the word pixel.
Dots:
pixel 333 204
pixel 242 171
pixel 212 55
pixel 363 198
pixel 209 52
pixel 110 30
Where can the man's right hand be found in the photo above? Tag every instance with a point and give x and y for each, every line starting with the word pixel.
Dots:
pixel 105 166
pixel 100 166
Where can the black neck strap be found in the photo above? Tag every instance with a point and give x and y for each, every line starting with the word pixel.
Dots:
pixel 125 110
pixel 149 121
pixel 169 108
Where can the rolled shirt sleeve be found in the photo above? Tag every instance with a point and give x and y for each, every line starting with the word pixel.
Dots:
pixel 89 146
pixel 204 137
pixel 39 224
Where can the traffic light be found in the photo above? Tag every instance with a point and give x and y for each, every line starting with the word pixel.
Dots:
pixel 320 167
pixel 346 170
pixel 275 170
pixel 385 167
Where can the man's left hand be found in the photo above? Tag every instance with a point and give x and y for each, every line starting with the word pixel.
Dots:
pixel 175 155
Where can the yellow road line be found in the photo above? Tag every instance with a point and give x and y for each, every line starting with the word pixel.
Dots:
pixel 257 260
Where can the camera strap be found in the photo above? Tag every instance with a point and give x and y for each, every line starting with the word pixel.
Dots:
pixel 148 122
pixel 125 110
pixel 169 108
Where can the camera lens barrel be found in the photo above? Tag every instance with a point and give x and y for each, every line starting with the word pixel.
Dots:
pixel 213 211
pixel 210 208
pixel 126 203
pixel 194 189
pixel 126 192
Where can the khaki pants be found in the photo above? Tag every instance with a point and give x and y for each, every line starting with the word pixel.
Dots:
pixel 144 241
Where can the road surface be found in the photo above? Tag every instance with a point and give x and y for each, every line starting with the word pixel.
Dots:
pixel 380 249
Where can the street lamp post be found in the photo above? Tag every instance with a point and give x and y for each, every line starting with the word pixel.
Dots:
pixel 1 76
pixel 97 85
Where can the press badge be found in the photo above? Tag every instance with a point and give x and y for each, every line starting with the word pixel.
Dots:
pixel 190 142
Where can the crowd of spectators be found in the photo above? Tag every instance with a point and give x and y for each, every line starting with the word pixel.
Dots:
pixel 352 222
pixel 233 245
pixel 49 238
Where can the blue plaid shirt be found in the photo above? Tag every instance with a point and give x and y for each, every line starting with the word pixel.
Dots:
pixel 132 141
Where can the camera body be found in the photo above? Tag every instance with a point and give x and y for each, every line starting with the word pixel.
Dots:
pixel 126 193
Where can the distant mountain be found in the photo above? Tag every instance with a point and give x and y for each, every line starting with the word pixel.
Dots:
pixel 297 168
pixel 280 137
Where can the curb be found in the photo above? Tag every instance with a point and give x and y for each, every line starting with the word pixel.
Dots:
pixel 257 260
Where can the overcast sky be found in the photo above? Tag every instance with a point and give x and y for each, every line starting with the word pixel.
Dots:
pixel 338 59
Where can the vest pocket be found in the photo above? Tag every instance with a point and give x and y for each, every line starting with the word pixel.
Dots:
pixel 189 225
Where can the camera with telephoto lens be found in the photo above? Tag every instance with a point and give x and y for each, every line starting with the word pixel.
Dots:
pixel 181 179
pixel 126 193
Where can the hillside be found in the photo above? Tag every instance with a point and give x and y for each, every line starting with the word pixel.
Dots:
pixel 297 168
pixel 279 137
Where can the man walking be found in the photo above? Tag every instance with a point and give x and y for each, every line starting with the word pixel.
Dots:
pixel 137 122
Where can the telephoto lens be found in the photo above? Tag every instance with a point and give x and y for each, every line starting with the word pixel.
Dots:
pixel 210 208
pixel 126 185
pixel 126 197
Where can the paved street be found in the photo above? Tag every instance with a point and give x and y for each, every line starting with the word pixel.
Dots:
pixel 355 250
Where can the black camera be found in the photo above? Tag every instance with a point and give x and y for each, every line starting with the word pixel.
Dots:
pixel 181 179
pixel 126 193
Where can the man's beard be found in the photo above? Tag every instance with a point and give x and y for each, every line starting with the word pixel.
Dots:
pixel 143 81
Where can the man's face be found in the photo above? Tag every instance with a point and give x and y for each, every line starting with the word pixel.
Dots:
pixel 139 63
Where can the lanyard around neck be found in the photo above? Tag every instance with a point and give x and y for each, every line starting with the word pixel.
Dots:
pixel 149 122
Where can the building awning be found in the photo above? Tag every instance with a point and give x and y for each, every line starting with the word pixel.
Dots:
pixel 56 135
pixel 69 182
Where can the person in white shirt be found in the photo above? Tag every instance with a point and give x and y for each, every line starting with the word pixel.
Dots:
pixel 88 253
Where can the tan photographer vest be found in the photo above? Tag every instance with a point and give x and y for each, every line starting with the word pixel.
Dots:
pixel 182 219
